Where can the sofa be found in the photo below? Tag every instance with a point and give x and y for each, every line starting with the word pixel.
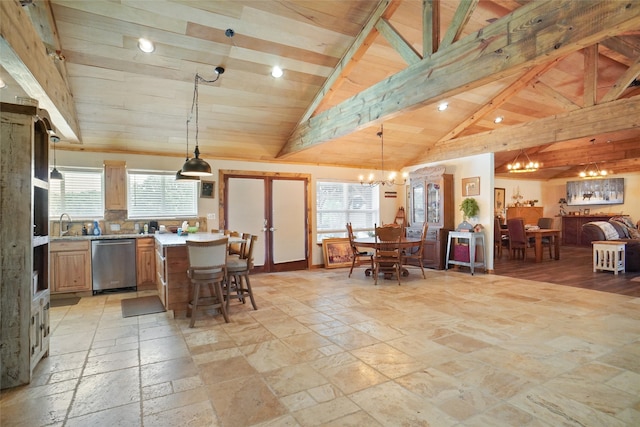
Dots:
pixel 617 228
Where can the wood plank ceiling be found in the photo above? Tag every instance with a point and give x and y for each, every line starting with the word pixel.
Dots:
pixel 561 74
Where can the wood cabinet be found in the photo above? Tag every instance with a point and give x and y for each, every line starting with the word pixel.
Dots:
pixel 145 263
pixel 572 228
pixel 431 201
pixel 530 214
pixel 115 188
pixel 70 266
pixel 161 272
pixel 24 232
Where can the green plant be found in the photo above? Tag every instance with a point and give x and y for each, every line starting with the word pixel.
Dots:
pixel 469 207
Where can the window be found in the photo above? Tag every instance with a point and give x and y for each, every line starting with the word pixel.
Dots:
pixel 159 195
pixel 340 202
pixel 80 193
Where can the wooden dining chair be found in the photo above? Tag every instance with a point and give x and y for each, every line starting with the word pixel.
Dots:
pixel 358 256
pixel 518 242
pixel 545 224
pixel 388 255
pixel 207 266
pixel 409 258
pixel 499 240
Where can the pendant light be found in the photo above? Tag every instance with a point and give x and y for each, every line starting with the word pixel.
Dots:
pixel 196 166
pixel 179 175
pixel 382 180
pixel 55 173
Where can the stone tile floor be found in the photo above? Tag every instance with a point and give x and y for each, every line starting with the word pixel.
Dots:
pixel 323 349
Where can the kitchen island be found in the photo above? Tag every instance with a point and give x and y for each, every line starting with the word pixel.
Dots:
pixel 172 263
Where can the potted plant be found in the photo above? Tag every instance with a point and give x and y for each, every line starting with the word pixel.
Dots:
pixel 470 209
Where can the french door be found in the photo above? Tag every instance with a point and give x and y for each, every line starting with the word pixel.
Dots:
pixel 274 207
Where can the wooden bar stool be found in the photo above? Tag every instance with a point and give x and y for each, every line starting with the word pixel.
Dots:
pixel 207 266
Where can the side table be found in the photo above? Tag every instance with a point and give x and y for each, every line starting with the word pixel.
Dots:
pixel 609 255
pixel 475 239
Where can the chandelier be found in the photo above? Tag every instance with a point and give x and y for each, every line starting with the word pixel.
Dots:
pixel 517 167
pixel 391 179
pixel 196 166
pixel 593 172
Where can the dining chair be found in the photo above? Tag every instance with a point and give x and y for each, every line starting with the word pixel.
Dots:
pixel 499 240
pixel 238 269
pixel 518 242
pixel 207 266
pixel 358 256
pixel 544 224
pixel 388 256
pixel 416 256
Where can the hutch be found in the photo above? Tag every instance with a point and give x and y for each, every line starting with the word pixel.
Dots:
pixel 431 201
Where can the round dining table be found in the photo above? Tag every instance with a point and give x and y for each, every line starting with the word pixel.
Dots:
pixel 405 243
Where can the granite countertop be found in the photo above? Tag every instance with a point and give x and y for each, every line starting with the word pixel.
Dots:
pixel 101 237
pixel 171 239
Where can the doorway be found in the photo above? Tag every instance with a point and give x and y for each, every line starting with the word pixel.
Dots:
pixel 276 208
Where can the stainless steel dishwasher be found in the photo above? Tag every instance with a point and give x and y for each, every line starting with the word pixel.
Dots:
pixel 113 264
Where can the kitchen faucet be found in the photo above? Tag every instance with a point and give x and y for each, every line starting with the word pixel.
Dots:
pixel 62 233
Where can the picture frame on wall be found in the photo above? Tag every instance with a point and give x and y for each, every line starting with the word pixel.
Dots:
pixel 471 186
pixel 207 189
pixel 498 200
pixel 337 252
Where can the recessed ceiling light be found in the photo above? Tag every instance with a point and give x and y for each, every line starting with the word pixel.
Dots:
pixel 443 106
pixel 498 119
pixel 146 46
pixel 276 72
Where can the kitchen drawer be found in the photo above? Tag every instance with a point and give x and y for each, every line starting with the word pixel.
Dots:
pixel 71 245
pixel 145 242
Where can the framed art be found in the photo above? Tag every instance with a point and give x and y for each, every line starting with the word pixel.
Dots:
pixel 498 196
pixel 471 186
pixel 607 191
pixel 337 252
pixel 207 189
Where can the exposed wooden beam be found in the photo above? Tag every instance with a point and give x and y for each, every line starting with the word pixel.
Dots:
pixel 626 49
pixel 623 82
pixel 351 57
pixel 460 19
pixel 617 115
pixel 500 99
pixel 25 57
pixel 430 27
pixel 551 93
pixel 552 29
pixel 590 75
pixel 397 42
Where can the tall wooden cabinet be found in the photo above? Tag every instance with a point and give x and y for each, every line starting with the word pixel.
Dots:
pixel 530 214
pixel 24 241
pixel 431 201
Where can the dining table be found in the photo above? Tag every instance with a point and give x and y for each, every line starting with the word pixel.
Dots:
pixel 538 234
pixel 405 243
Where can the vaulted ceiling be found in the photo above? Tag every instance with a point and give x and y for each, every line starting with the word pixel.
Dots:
pixel 561 74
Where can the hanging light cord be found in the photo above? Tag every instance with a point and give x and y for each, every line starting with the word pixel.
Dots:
pixel 381 135
pixel 194 104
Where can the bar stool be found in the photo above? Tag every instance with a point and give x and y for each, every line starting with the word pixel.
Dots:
pixel 207 266
pixel 238 268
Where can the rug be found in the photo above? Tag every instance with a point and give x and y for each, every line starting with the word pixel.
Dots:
pixel 141 306
pixel 63 302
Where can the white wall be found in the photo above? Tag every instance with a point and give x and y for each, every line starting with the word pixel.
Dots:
pixel 388 206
